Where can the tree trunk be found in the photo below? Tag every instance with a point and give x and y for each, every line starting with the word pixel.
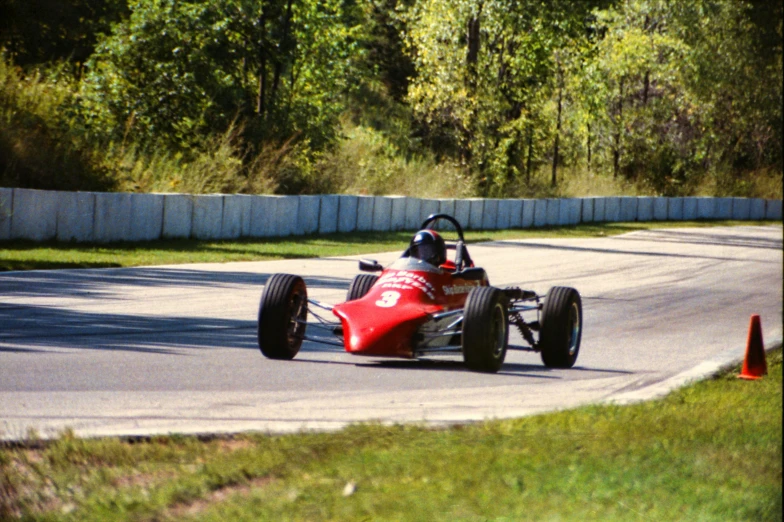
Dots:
pixel 472 54
pixel 530 153
pixel 261 97
pixel 554 180
pixel 618 130
pixel 616 156
pixel 262 81
pixel 472 57
pixel 283 53
pixel 588 143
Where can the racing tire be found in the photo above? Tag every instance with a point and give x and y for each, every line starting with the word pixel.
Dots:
pixel 561 327
pixel 282 314
pixel 360 286
pixel 485 329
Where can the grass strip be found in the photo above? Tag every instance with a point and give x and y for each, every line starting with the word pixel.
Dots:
pixel 28 255
pixel 711 451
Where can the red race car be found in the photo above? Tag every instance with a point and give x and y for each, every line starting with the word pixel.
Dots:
pixel 423 304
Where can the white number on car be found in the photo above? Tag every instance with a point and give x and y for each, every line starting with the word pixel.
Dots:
pixel 388 299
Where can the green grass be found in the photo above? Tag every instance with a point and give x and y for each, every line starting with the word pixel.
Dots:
pixel 27 255
pixel 708 452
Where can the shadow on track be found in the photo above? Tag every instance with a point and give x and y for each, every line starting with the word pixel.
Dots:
pixel 665 236
pixel 36 329
pixel 96 284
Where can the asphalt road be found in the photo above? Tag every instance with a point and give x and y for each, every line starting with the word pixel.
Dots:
pixel 172 348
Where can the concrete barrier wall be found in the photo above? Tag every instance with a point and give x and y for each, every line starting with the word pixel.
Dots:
pixel 540 212
pixel 741 208
pixel 398 217
pixel 236 216
pixel 347 213
pixel 644 209
pixel 413 213
pixel 308 215
pixel 490 215
pixel 75 213
pixel 6 206
pixel 773 209
pixel 527 216
pixel 112 219
pixel 34 215
pixel 475 213
pixel 599 209
pixel 462 211
pixel 365 206
pixel 147 217
pixel 328 214
pixel 660 208
pixel 177 216
pixel 675 209
pixel 42 215
pixel 207 216
pixel 382 214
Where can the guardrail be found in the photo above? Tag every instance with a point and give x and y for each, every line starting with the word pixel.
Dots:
pixel 42 215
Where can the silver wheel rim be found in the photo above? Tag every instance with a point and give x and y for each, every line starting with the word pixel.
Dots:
pixel 298 311
pixel 499 328
pixel 574 328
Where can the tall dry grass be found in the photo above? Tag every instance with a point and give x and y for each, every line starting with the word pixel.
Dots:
pixel 367 162
pixel 39 145
pixel 220 167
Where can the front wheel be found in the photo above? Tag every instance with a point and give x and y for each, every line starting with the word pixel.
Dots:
pixel 485 329
pixel 282 315
pixel 562 327
pixel 360 285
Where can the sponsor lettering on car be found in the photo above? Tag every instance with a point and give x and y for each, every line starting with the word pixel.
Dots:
pixel 463 288
pixel 404 280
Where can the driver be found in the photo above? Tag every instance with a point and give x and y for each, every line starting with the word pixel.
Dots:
pixel 429 246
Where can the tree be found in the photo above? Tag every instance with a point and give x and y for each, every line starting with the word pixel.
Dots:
pixel 647 107
pixel 385 58
pixel 181 70
pixel 684 88
pixel 485 69
pixel 39 31
pixel 736 74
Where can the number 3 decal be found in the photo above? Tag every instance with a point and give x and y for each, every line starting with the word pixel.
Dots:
pixel 388 299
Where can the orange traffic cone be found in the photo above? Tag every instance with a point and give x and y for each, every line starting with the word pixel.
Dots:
pixel 754 365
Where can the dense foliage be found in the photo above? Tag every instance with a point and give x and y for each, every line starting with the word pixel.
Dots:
pixel 493 96
pixel 181 70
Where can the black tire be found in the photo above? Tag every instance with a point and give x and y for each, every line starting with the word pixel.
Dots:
pixel 282 314
pixel 360 286
pixel 562 327
pixel 485 329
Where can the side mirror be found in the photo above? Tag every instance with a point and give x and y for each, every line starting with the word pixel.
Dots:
pixel 471 274
pixel 370 265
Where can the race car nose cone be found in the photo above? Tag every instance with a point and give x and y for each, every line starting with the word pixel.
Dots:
pixel 354 344
pixel 385 332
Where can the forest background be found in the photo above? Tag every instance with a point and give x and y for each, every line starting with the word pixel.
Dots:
pixel 497 98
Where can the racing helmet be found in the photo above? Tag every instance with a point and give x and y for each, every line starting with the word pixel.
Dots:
pixel 429 246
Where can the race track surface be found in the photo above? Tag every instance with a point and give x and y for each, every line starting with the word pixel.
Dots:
pixel 173 348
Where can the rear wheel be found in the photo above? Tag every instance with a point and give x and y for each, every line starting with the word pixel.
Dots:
pixel 561 332
pixel 282 315
pixel 485 329
pixel 360 286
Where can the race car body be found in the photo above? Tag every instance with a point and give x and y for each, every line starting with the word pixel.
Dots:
pixel 422 304
pixel 404 298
